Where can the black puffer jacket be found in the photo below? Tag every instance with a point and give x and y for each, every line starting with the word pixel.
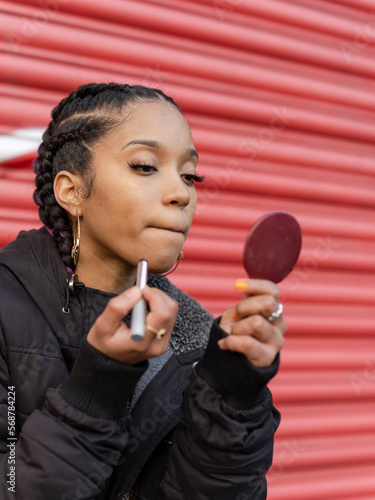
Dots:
pixel 89 427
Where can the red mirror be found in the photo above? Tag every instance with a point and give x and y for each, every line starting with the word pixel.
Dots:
pixel 272 247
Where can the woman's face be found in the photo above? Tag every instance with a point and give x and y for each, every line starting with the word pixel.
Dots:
pixel 143 197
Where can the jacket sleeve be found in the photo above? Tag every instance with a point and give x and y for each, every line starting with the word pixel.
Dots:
pixel 68 450
pixel 224 444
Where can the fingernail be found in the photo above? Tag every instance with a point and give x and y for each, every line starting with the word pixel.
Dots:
pixel 240 285
pixel 234 316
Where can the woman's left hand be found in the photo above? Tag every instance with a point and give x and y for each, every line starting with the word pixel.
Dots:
pixel 249 330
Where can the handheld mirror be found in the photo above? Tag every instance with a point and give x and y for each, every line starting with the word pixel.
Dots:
pixel 272 247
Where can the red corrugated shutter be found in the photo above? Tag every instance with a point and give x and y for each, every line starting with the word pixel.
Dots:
pixel 281 99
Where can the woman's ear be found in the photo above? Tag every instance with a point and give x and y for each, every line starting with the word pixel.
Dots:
pixel 65 189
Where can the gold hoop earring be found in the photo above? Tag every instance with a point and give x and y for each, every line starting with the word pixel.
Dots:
pixel 76 242
pixel 161 275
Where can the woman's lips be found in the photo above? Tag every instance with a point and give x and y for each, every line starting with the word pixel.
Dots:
pixel 170 229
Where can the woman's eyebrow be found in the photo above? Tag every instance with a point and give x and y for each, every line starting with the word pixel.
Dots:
pixel 144 142
pixel 156 145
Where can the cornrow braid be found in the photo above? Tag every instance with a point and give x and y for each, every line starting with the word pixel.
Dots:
pixel 78 123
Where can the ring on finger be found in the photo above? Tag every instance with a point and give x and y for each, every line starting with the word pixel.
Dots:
pixel 276 315
pixel 159 334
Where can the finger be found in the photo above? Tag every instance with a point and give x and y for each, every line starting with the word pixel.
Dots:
pixel 280 324
pixel 163 310
pixel 117 308
pixel 257 353
pixel 255 325
pixel 159 302
pixel 261 329
pixel 227 319
pixel 257 304
pixel 258 287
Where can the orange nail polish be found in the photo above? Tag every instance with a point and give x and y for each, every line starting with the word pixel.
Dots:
pixel 234 316
pixel 241 285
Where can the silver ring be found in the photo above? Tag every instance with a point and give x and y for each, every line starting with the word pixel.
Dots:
pixel 277 314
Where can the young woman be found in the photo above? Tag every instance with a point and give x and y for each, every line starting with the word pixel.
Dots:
pixel 87 413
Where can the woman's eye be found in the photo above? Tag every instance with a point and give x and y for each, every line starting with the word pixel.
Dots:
pixel 142 167
pixel 192 178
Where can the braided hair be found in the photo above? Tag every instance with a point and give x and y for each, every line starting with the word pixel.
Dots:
pixel 78 123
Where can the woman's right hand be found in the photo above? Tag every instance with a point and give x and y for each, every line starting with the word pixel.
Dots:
pixel 111 336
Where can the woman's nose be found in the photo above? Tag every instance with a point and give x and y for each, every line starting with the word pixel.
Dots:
pixel 175 190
